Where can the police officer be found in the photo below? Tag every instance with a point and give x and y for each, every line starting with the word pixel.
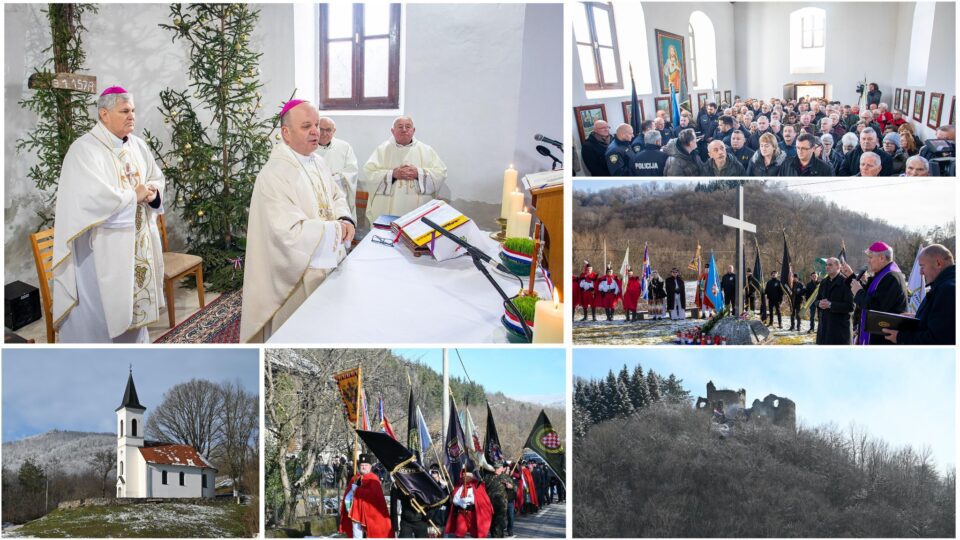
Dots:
pixel 638 143
pixel 496 485
pixel 651 160
pixel 620 153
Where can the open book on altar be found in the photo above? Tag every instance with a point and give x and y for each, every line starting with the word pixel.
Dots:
pixel 421 238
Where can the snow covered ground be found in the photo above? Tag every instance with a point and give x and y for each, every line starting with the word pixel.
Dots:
pixel 662 332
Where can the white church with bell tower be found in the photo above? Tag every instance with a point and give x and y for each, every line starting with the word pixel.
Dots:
pixel 156 469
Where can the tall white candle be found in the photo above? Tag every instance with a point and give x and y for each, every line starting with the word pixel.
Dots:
pixel 509 186
pixel 518 225
pixel 548 321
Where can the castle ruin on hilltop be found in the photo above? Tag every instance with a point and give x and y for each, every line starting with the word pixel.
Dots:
pixel 779 411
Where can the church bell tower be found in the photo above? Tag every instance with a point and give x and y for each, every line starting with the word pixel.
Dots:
pixel 129 440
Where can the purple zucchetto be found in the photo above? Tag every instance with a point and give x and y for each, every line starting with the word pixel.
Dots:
pixel 113 90
pixel 289 105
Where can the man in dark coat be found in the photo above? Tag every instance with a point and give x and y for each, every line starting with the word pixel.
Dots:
pixel 707 120
pixel 753 287
pixel 805 163
pixel 595 148
pixel 651 160
pixel 620 154
pixel 720 163
pixel 728 284
pixel 810 291
pixel 938 311
pixel 739 150
pixel 885 290
pixel 676 295
pixel 682 159
pixel 774 293
pixel 835 304
pixel 796 303
pixel 869 142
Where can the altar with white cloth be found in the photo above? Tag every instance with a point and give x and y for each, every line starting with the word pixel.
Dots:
pixel 383 294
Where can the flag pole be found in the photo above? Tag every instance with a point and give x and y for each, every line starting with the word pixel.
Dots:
pixel 356 437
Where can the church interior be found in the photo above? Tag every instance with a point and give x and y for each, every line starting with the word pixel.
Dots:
pixel 765 50
pixel 479 81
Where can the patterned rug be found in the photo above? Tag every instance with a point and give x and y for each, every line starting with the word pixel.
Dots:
pixel 218 322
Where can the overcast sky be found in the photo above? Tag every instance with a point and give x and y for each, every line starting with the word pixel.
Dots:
pixel 534 375
pixel 904 202
pixel 79 389
pixel 904 396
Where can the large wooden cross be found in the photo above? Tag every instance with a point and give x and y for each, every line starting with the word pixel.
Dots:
pixel 741 225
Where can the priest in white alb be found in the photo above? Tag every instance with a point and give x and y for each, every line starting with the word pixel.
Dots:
pixel 298 230
pixel 342 162
pixel 403 173
pixel 107 257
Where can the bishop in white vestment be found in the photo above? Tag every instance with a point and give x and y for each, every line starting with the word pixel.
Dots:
pixel 298 230
pixel 107 257
pixel 342 162
pixel 402 173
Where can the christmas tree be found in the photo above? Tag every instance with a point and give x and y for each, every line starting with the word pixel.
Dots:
pixel 218 139
pixel 62 114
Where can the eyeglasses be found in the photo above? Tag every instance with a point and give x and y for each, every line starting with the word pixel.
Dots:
pixel 382 240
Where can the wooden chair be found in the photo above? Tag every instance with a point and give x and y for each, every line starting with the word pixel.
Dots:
pixel 362 198
pixel 42 244
pixel 176 266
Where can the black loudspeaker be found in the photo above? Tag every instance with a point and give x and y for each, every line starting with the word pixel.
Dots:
pixel 22 304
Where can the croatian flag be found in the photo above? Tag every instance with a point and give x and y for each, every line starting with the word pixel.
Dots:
pixel 384 423
pixel 713 291
pixel 647 272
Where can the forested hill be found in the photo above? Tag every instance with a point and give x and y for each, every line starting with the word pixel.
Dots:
pixel 67 450
pixel 662 471
pixel 673 218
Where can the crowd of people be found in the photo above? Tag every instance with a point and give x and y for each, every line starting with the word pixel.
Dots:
pixel 834 305
pixel 752 137
pixel 481 504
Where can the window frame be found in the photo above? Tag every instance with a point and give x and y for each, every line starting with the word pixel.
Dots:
pixel 203 480
pixel 182 479
pixel 595 47
pixel 812 31
pixel 357 101
pixel 692 57
pixel 133 427
pixel 163 477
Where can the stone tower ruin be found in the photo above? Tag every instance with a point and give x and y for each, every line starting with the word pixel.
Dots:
pixel 779 411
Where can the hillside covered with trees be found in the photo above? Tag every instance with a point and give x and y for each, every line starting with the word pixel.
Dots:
pixel 662 470
pixel 673 218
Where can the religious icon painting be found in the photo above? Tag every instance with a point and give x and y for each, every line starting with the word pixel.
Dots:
pixel 701 100
pixel 587 116
pixel 671 63
pixel 936 109
pixel 717 98
pixel 727 97
pixel 918 98
pixel 896 99
pixel 627 106
pixel 905 102
pixel 662 103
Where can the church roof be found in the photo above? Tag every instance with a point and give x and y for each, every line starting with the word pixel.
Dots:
pixel 130 399
pixel 174 454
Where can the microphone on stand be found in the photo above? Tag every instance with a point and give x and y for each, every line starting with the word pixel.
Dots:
pixel 548 140
pixel 544 151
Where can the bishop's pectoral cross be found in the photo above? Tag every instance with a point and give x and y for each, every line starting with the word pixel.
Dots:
pixel 741 225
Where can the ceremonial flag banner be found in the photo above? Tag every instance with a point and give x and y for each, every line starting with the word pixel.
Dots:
pixel 548 444
pixel 786 269
pixel 413 430
pixel 625 265
pixel 407 473
pixel 713 291
pixel 473 439
pixel 916 285
pixel 696 262
pixel 491 440
pixel 349 384
pixel 384 423
pixel 455 447
pixel 674 107
pixel 843 253
pixel 364 419
pixel 425 441
pixel 635 119
pixel 647 273
pixel 758 276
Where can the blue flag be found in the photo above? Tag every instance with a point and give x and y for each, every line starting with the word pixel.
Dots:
pixel 674 107
pixel 714 293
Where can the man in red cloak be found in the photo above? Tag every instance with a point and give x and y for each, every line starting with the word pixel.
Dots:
pixel 471 511
pixel 609 288
pixel 631 295
pixel 526 501
pixel 363 510
pixel 586 284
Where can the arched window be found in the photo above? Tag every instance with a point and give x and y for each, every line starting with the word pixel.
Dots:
pixel 121 468
pixel 607 45
pixel 133 427
pixel 121 429
pixel 808 36
pixel 702 50
pixel 920 37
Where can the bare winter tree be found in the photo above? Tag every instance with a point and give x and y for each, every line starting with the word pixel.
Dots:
pixel 239 423
pixel 103 463
pixel 189 414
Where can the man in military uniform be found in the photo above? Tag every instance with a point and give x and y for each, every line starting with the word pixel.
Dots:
pixel 650 160
pixel 496 485
pixel 620 153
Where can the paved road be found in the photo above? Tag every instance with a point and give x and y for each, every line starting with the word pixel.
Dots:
pixel 551 522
